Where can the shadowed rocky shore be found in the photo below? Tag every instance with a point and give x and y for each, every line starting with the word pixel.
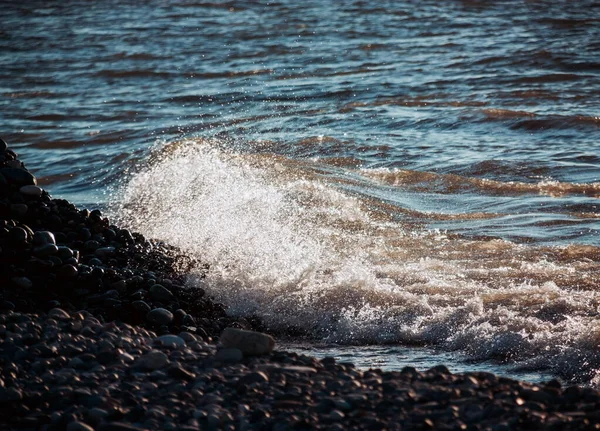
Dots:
pixel 98 330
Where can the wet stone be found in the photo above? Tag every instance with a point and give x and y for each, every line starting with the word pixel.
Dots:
pixel 188 337
pixel 32 191
pixel 10 394
pixel 94 262
pixel 43 237
pixel 58 314
pixel 18 235
pixel 67 271
pixel 161 293
pixel 91 245
pixel 160 316
pixel 172 341
pixel 64 252
pixel 104 252
pixel 188 320
pixel 18 176
pixel 19 210
pixel 22 282
pixel 249 342
pixel 45 250
pixel 141 306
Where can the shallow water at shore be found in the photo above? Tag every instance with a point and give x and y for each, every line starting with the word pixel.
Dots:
pixel 395 358
pixel 394 173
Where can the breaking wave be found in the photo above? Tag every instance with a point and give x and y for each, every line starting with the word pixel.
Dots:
pixel 294 243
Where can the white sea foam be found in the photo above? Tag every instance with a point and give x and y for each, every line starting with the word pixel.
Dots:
pixel 287 243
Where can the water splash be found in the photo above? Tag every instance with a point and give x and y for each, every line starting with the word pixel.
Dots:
pixel 289 243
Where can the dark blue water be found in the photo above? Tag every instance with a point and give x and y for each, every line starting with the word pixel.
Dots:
pixel 366 172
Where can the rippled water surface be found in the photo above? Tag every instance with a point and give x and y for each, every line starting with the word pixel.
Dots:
pixel 418 172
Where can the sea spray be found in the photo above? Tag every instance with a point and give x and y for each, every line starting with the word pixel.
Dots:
pixel 290 243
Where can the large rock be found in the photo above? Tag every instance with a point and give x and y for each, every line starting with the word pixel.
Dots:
pixel 249 342
pixel 18 176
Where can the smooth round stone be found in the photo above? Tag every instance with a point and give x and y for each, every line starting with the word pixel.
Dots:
pixel 19 210
pixel 120 285
pixel 249 342
pixel 84 234
pixel 67 271
pixel 94 262
pixel 14 164
pixel 337 415
pixel 22 282
pixel 160 293
pixel 32 191
pixel 153 360
pixel 42 237
pixel 160 316
pixel 18 176
pixel 188 320
pixel 10 394
pixel 56 261
pixel 179 314
pixel 64 252
pixel 18 235
pixel 45 250
pixel 188 337
pixel 91 245
pixel 125 235
pixel 3 145
pixel 141 306
pixel 59 314
pixel 97 413
pixel 71 261
pixel 170 340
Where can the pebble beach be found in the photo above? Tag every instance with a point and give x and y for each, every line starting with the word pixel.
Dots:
pixel 99 330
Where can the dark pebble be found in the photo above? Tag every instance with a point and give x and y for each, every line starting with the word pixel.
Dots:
pixel 18 176
pixel 160 316
pixel 43 237
pixel 67 271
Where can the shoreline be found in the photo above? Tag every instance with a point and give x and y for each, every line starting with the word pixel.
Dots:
pixel 99 331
